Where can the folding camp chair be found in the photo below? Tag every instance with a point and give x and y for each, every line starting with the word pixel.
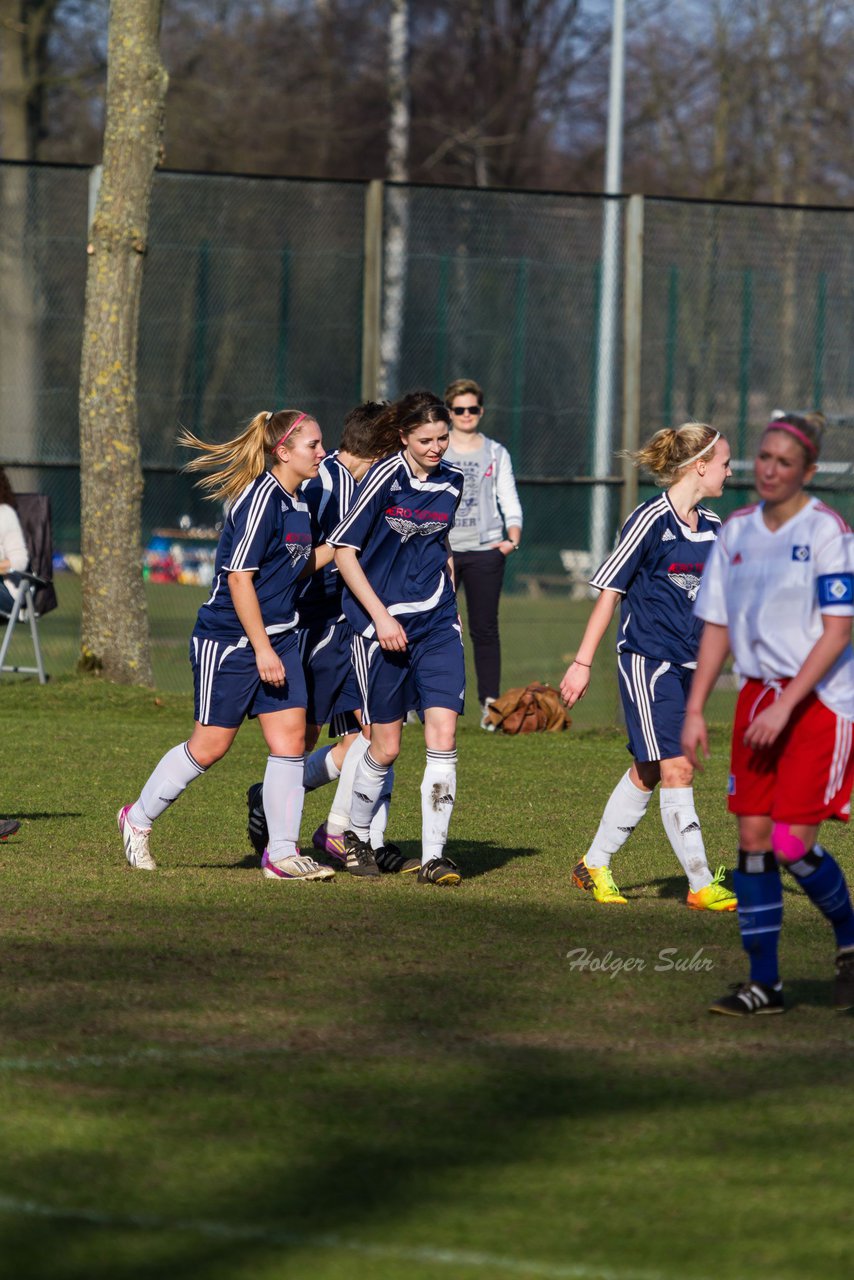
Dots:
pixel 33 591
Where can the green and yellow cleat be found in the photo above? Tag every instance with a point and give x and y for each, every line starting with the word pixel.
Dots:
pixel 713 897
pixel 598 881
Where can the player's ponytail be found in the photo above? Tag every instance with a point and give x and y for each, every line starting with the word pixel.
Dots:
pixel 237 462
pixel 670 450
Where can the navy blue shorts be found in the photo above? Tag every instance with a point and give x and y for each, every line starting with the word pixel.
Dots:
pixel 430 673
pixel 328 665
pixel 654 695
pixel 226 684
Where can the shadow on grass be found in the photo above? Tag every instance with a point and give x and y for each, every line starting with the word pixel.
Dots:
pixel 36 817
pixel 364 1094
pixel 473 857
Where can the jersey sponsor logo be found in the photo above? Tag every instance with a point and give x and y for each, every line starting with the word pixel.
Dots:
pixel 836 588
pixel 298 551
pixel 801 553
pixel 399 519
pixel 668 536
pixel 686 577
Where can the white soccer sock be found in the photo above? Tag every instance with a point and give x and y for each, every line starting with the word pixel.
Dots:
pixel 379 821
pixel 320 768
pixel 438 790
pixel 171 776
pixel 339 814
pixel 626 806
pixel 283 799
pixel 368 786
pixel 682 826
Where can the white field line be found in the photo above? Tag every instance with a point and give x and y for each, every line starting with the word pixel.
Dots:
pixel 76 1062
pixel 331 1243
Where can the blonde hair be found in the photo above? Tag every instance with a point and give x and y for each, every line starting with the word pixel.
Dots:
pixel 669 450
pixel 241 460
pixel 462 387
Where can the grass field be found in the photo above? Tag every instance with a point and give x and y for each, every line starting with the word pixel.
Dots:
pixel 205 1074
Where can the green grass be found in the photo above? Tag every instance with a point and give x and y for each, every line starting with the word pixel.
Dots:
pixel 205 1074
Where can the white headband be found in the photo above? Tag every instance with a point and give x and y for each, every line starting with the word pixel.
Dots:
pixel 715 438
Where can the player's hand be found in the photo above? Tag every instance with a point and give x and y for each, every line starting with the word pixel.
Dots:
pixel 506 547
pixel 390 634
pixel 695 739
pixel 767 727
pixel 574 684
pixel 271 669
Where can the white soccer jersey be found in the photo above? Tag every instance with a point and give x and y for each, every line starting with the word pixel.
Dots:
pixel 770 589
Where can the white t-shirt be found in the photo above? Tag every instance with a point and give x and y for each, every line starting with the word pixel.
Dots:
pixel 770 589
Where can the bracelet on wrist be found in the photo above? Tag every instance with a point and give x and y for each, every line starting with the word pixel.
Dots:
pixel 588 665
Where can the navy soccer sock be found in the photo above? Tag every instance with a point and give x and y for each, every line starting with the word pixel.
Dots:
pixel 760 913
pixel 820 876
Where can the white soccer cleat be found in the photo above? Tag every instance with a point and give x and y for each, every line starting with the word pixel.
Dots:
pixel 295 868
pixel 135 840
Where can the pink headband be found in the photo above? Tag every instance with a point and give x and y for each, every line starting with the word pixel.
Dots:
pixel 297 420
pixel 780 424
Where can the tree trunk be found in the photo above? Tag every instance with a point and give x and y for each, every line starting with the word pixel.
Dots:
pixel 397 209
pixel 114 635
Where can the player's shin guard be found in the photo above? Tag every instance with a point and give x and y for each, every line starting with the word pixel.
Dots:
pixel 367 788
pixel 682 828
pixel 379 820
pixel 626 806
pixel 760 913
pixel 283 800
pixel 320 768
pixel 438 791
pixel 821 878
pixel 172 775
pixel 339 813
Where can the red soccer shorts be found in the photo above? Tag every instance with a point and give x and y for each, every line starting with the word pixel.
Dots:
pixel 806 776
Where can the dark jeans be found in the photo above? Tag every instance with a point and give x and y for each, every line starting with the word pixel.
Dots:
pixel 481 574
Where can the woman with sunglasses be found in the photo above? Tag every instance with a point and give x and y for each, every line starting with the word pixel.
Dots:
pixel 490 506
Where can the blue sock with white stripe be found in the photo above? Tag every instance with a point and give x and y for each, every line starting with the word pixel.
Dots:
pixel 760 913
pixel 170 778
pixel 821 878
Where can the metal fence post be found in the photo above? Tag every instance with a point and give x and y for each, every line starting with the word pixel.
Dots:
pixel 632 340
pixel 372 289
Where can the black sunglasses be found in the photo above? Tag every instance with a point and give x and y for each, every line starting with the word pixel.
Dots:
pixel 475 410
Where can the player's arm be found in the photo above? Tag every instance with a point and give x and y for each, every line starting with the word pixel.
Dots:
pixel 390 633
pixel 320 557
pixel 574 684
pixel 835 638
pixel 246 606
pixel 450 563
pixel 711 656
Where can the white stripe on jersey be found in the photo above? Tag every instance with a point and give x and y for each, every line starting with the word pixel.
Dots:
pixel 841 753
pixel 375 480
pixel 413 606
pixel 626 548
pixel 260 498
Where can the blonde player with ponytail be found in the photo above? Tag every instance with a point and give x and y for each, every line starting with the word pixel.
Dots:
pixel 653 574
pixel 243 650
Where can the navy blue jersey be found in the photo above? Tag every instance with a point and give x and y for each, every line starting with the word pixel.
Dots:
pixel 400 524
pixel 656 566
pixel 267 533
pixel 328 496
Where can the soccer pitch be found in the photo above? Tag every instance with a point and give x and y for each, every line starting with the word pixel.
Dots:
pixel 205 1074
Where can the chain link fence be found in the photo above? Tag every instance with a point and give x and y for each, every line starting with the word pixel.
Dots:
pixel 257 295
